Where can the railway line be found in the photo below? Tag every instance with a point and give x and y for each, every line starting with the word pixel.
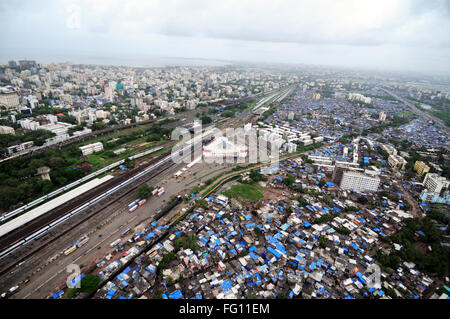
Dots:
pixel 14 237
pixel 19 245
pixel 28 206
pixel 51 226
pixel 45 235
pixel 34 152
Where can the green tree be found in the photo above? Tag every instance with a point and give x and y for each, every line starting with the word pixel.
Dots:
pixel 69 119
pixel 89 283
pixel 186 242
pixel 201 203
pixel 289 180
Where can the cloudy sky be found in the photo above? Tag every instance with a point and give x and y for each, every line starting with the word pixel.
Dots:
pixel 382 34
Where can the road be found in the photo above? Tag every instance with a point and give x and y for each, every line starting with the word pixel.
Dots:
pixel 46 268
pixel 115 219
pixel 112 212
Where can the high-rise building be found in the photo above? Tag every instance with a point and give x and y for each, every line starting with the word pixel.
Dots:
pixel 359 182
pixel 434 183
pixel 32 101
pixel 27 63
pixel 359 97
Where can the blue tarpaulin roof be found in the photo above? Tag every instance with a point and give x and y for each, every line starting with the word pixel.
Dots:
pixel 176 294
pixel 77 279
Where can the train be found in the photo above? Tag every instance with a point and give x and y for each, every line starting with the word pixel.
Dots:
pixel 71 185
pixel 70 250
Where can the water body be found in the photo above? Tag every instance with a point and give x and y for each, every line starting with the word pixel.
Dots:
pixel 150 61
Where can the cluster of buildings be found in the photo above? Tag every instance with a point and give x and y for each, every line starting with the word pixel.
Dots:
pixel 436 189
pixel 166 88
pixel 91 148
pixel 425 93
pixel 395 160
pixel 420 133
pixel 284 134
pixel 276 248
pixel 47 122
pixel 331 116
pixel 123 95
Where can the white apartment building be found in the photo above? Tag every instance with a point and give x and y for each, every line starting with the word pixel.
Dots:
pixel 101 114
pixel 290 147
pixel 29 124
pixel 60 128
pixel 434 183
pixel 359 182
pixel 191 104
pixel 320 160
pixel 7 130
pixel 318 139
pixel 32 101
pixel 91 148
pixel 20 147
pixel 9 100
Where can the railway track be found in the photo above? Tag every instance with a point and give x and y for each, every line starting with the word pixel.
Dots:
pixel 13 237
pixel 112 129
pixel 35 245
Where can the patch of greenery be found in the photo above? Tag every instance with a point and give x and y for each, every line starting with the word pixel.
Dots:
pixel 186 242
pixel 326 218
pixel 342 230
pixel 88 285
pixel 144 191
pixel 167 258
pixel 434 261
pixel 201 203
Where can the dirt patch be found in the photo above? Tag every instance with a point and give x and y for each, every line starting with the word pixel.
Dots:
pixel 274 194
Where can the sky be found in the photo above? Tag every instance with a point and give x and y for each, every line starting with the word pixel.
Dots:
pixel 394 35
